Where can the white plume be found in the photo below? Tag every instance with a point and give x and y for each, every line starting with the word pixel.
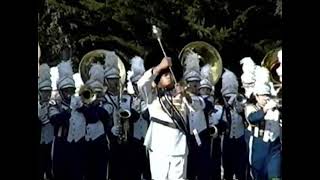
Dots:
pixel 229 83
pixel 97 72
pixel 65 75
pixel 44 72
pixel 78 82
pixel 248 65
pixel 192 62
pixel 54 77
pixel 111 60
pixel 65 69
pixel 137 65
pixel 206 73
pixel 262 75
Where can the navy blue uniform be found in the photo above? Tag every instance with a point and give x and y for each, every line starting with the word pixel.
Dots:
pixel 68 152
pixel 266 146
pixel 96 147
pixel 234 146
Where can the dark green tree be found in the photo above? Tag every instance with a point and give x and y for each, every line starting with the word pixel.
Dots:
pixel 235 28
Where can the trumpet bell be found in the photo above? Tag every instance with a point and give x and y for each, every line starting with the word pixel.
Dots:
pixel 87 94
pixel 98 56
pixel 209 55
pixel 271 62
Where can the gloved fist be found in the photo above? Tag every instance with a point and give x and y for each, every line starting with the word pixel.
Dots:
pixel 129 74
pixel 270 105
pixel 115 130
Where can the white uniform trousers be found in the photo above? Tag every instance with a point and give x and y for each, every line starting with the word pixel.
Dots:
pixel 166 167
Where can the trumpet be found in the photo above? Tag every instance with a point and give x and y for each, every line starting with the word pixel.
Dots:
pixel 87 94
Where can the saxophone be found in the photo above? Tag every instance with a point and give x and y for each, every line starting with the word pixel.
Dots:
pixel 123 116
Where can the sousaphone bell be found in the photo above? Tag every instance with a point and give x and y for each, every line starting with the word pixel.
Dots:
pixel 208 55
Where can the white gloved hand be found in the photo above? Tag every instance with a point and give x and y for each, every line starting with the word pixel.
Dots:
pixel 130 87
pixel 270 105
pixel 129 75
pixel 115 130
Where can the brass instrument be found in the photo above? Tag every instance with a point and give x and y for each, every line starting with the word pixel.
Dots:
pixel 124 115
pixel 124 125
pixel 98 56
pixel 208 55
pixel 271 62
pixel 87 94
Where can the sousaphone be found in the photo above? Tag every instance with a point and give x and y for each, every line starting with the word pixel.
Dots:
pixel 208 55
pixel 99 56
pixel 271 62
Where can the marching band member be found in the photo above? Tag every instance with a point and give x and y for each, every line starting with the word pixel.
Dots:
pixel 47 134
pixel 112 84
pixel 248 81
pixel 70 127
pixel 234 146
pixel 213 118
pixel 96 121
pixel 199 149
pixel 263 116
pixel 129 156
pixel 166 138
pixel 140 117
pixel 112 105
pixel 216 119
